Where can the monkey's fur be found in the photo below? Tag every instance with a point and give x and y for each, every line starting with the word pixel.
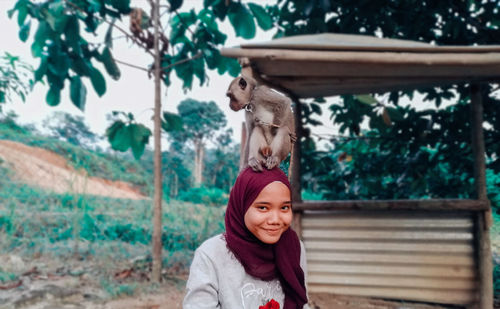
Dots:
pixel 269 122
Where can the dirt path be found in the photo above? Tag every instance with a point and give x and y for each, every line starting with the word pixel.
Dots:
pixel 45 169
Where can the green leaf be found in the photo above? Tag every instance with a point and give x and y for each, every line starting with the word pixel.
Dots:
pixel 22 12
pixel 118 136
pixel 55 16
pixel 42 69
pixel 53 96
pixel 110 64
pixel 366 98
pixel 316 108
pixel 78 92
pixel 263 18
pixel 139 138
pixel 174 5
pixel 98 82
pixel 185 72
pixel 43 33
pixel 108 38
pixel 171 122
pixel 123 6
pixel 2 96
pixel 24 32
pixel 241 20
pixel 72 33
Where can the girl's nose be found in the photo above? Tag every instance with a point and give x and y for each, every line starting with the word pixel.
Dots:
pixel 273 217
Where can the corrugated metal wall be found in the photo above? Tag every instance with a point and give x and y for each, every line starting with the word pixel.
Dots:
pixel 406 255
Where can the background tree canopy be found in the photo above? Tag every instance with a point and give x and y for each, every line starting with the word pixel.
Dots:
pixel 400 151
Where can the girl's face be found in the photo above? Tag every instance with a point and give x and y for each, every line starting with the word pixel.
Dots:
pixel 271 213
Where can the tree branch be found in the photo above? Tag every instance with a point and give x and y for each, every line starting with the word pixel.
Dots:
pixel 132 65
pixel 128 35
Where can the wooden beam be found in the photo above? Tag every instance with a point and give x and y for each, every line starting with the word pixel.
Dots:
pixel 295 166
pixel 430 205
pixel 483 220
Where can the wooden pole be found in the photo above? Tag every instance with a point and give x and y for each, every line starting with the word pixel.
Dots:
pixel 295 166
pixel 483 218
pixel 157 212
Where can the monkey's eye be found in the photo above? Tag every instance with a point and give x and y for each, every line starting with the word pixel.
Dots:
pixel 243 83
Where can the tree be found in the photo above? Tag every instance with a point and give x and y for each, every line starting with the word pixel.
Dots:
pixel 201 120
pixel 68 54
pixel 222 162
pixel 70 128
pixel 15 78
pixel 404 152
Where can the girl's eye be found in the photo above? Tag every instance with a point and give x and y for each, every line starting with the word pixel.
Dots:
pixel 287 207
pixel 262 207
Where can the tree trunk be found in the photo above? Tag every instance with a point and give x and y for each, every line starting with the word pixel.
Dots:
pixel 157 213
pixel 198 163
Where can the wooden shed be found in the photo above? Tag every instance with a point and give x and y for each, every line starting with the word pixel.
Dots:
pixel 418 250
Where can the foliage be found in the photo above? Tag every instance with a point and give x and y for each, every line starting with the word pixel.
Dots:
pixel 70 128
pixel 5 275
pixel 36 221
pixel 114 289
pixel 125 135
pixel 15 78
pixel 201 121
pixel 205 196
pixel 393 150
pixel 63 41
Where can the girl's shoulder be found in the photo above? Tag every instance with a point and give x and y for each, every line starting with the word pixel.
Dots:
pixel 213 245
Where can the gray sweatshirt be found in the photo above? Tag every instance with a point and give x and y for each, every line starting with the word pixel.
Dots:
pixel 218 280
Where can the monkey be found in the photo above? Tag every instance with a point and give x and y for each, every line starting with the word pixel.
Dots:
pixel 269 122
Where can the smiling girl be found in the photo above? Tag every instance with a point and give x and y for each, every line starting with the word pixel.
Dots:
pixel 259 261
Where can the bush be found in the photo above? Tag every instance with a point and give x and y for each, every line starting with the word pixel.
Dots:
pixel 204 195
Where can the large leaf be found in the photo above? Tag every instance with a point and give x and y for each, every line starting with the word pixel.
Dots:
pixel 366 98
pixel 264 20
pixel 55 16
pixel 98 82
pixel 78 92
pixel 110 64
pixel 118 136
pixel 171 122
pixel 53 96
pixel 43 33
pixel 139 138
pixel 24 32
pixel 72 33
pixel 174 5
pixel 241 20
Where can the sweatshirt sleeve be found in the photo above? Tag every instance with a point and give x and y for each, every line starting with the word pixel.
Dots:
pixel 202 285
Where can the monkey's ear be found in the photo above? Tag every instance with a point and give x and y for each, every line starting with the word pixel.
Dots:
pixel 242 83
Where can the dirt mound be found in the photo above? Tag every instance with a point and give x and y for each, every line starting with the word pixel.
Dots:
pixel 45 169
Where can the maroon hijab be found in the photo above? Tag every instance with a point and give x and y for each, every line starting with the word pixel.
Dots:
pixel 280 260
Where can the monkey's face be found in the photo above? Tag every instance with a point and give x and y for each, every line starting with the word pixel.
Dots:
pixel 239 93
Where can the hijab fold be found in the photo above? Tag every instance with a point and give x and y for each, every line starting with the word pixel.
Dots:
pixel 264 261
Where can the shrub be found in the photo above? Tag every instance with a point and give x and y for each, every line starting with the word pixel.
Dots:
pixel 204 195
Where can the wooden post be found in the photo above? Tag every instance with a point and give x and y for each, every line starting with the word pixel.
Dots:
pixel 243 145
pixel 483 218
pixel 295 166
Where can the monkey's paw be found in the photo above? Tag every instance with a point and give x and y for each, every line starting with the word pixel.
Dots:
pixel 272 161
pixel 255 164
